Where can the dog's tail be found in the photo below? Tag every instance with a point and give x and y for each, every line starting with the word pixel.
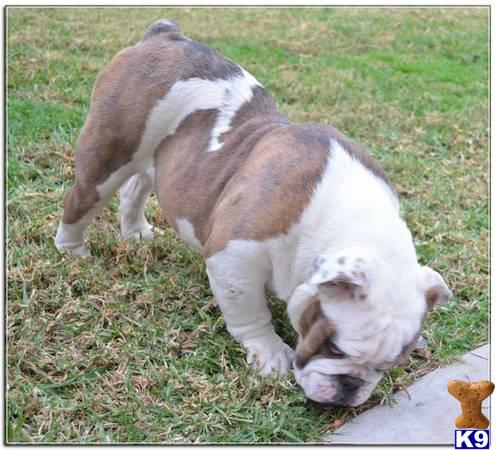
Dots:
pixel 161 26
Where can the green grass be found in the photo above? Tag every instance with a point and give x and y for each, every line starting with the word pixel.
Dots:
pixel 129 346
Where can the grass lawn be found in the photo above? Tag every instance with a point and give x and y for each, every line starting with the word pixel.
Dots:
pixel 129 346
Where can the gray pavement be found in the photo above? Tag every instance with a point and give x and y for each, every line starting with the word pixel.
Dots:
pixel 427 417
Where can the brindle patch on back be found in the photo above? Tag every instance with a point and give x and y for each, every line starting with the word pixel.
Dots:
pixel 315 329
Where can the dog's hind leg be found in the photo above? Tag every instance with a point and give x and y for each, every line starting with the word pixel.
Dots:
pixel 134 194
pixel 117 141
pixel 99 174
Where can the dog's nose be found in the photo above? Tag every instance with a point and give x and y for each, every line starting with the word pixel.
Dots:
pixel 348 387
pixel 349 384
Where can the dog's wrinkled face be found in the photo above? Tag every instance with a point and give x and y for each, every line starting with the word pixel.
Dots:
pixel 356 319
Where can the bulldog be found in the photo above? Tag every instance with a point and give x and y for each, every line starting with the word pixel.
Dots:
pixel 300 210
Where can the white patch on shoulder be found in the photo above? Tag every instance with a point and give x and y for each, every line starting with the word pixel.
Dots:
pixel 350 186
pixel 187 233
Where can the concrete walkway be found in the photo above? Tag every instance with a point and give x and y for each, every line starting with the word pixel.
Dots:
pixel 426 418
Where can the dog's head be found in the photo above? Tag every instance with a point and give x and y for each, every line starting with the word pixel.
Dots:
pixel 356 317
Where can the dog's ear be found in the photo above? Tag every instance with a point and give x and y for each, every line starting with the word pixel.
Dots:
pixel 343 275
pixel 433 286
pixel 302 297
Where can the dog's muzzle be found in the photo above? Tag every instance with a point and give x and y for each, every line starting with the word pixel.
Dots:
pixel 336 381
pixel 339 390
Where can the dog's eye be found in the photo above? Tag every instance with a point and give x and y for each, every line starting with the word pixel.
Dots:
pixel 333 350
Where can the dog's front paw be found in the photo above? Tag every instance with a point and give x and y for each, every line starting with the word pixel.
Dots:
pixel 266 356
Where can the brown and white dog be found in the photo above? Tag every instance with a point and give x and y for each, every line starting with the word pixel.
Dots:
pixel 298 209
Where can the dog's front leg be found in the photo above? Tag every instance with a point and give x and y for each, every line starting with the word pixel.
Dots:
pixel 238 284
